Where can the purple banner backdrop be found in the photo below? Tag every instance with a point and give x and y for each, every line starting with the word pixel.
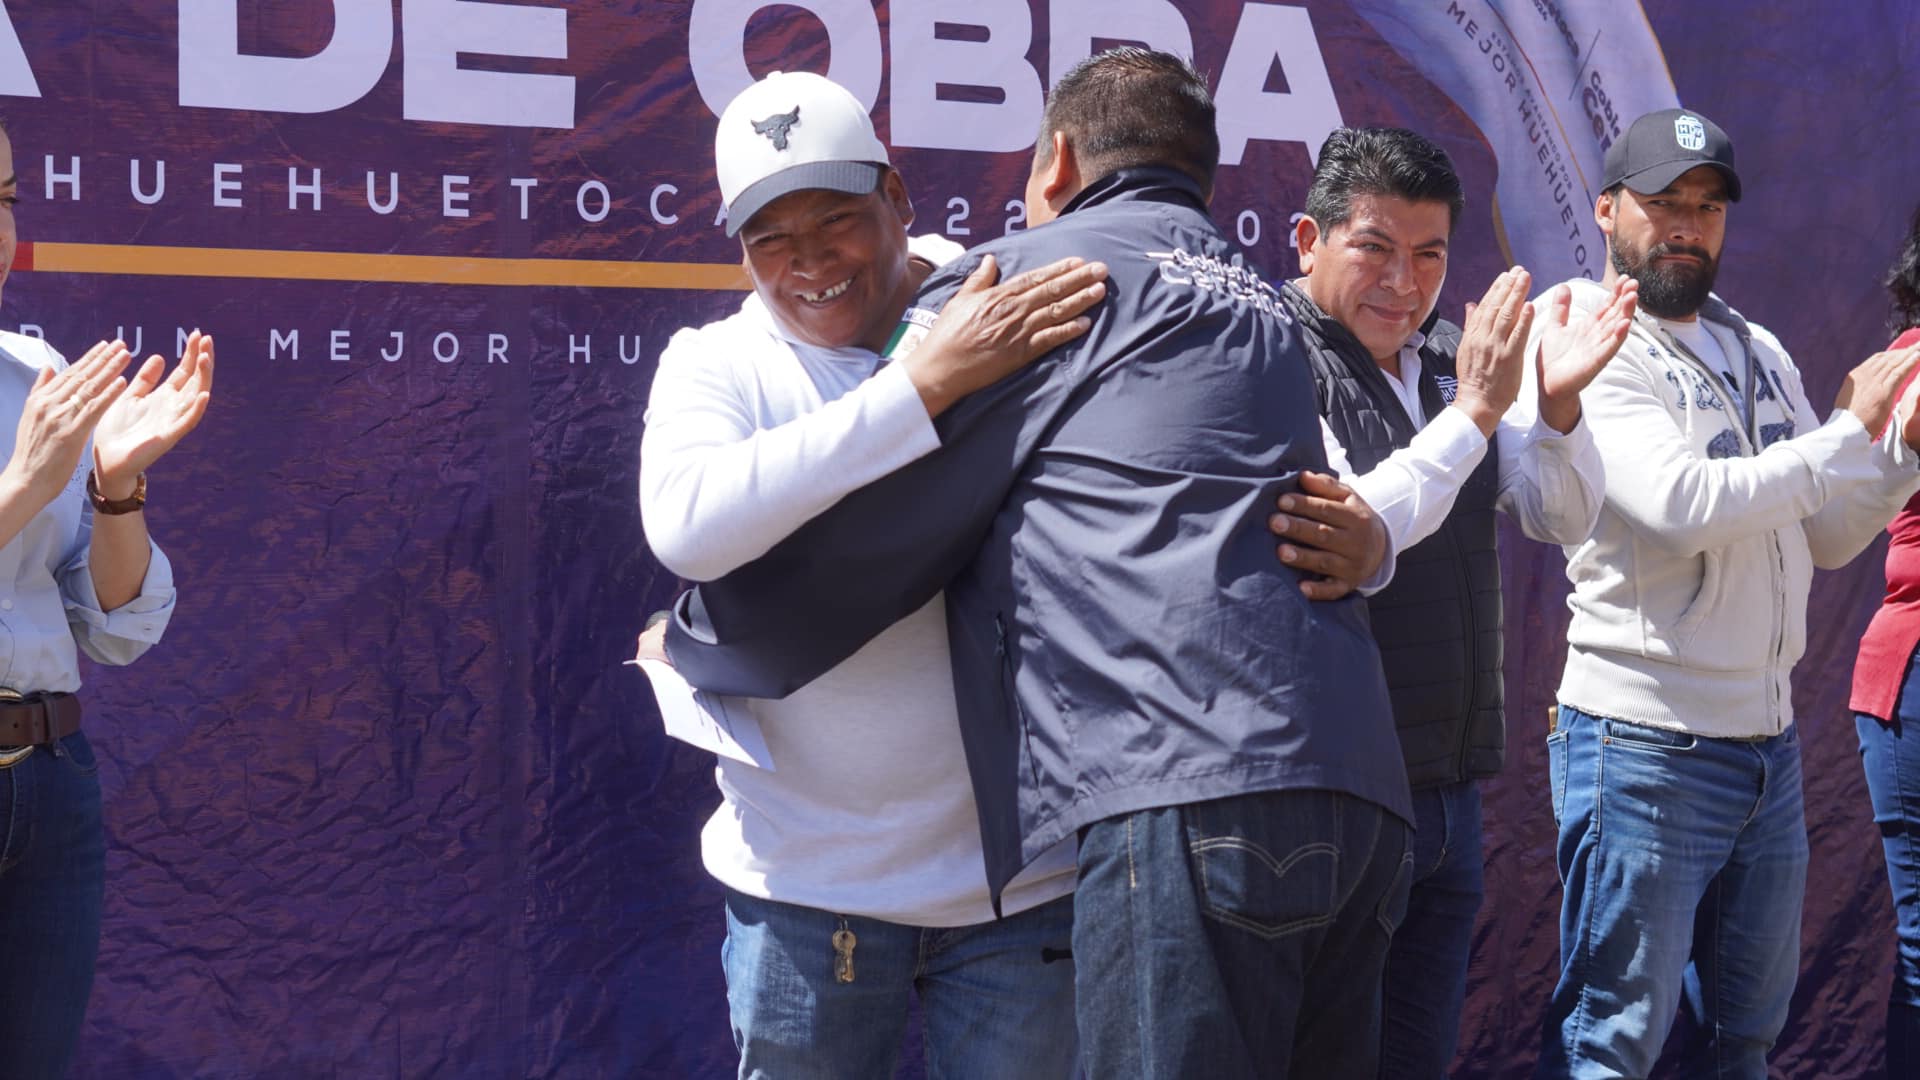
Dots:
pixel 384 803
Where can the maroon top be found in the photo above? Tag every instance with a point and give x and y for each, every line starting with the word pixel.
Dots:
pixel 1895 629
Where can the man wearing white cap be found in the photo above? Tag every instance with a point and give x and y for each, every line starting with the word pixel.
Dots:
pixel 853 868
pixel 1136 671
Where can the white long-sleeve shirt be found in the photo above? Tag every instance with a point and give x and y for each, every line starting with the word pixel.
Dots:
pixel 1553 485
pixel 869 809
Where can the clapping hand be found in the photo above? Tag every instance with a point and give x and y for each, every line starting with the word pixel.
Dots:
pixel 152 416
pixel 1493 341
pixel 1573 349
pixel 62 410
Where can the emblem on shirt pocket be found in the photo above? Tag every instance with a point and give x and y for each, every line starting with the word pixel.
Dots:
pixel 913 329
pixel 1449 387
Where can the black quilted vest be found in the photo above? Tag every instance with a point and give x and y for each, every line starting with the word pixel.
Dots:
pixel 1439 623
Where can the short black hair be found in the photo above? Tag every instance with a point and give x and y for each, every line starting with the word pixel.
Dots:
pixel 1903 281
pixel 1128 107
pixel 1380 161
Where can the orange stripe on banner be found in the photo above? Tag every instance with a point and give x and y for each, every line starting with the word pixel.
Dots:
pixel 155 261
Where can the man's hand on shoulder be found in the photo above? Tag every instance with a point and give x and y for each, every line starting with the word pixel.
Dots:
pixel 1574 349
pixel 1331 532
pixel 1493 343
pixel 988 331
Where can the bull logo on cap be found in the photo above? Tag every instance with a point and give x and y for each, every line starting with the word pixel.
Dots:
pixel 1689 132
pixel 777 126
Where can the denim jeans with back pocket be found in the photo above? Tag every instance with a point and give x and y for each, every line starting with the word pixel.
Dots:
pixel 1238 937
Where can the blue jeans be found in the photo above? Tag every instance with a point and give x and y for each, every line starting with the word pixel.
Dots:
pixel 1426 980
pixel 1891 755
pixel 1684 861
pixel 1239 937
pixel 53 866
pixel 996 999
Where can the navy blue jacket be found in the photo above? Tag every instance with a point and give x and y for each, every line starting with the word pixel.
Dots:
pixel 1123 636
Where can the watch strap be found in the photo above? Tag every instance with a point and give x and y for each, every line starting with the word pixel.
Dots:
pixel 104 505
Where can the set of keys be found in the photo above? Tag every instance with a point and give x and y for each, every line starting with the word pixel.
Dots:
pixel 843 943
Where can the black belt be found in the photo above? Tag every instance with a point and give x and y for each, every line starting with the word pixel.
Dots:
pixel 38 719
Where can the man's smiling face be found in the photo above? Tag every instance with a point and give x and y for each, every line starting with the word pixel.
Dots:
pixel 832 267
pixel 1379 272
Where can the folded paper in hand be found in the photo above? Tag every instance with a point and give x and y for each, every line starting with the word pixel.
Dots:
pixel 708 721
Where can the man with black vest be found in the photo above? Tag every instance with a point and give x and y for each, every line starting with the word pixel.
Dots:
pixel 1394 381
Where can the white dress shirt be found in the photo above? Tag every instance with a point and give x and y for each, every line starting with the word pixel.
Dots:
pixel 1552 484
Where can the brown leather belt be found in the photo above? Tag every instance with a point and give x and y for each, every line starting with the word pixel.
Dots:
pixel 38 719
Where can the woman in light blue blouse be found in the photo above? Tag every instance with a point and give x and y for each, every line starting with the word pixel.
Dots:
pixel 77 572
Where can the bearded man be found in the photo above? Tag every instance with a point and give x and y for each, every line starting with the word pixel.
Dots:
pixel 1675 762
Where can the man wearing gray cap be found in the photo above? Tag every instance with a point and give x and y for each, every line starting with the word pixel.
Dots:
pixel 1674 759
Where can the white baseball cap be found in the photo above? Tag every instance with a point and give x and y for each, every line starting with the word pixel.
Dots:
pixel 793 131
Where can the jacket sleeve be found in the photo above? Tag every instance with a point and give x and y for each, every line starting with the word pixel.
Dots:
pixel 1685 504
pixel 878 555
pixel 786 618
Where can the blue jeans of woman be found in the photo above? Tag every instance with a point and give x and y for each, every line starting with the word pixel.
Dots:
pixel 1890 753
pixel 52 886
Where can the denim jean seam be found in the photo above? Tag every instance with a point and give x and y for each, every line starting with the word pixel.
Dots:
pixel 1901 782
pixel 925 943
pixel 1373 844
pixel 1268 931
pixel 1583 955
pixel 1759 796
pixel 67 758
pixel 7 854
pixel 1711 1000
pixel 1406 871
pixel 1626 741
pixel 1263 930
pixel 1559 798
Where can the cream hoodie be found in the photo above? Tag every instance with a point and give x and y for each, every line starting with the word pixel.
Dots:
pixel 1690 598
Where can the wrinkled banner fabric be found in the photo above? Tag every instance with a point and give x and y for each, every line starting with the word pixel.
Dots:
pixel 385 803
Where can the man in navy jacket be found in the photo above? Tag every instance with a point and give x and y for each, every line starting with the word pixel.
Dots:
pixel 1132 663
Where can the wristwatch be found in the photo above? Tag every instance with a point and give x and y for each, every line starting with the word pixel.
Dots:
pixel 104 505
